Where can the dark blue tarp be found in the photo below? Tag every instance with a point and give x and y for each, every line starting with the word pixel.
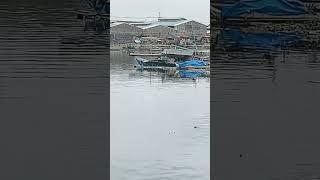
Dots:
pixel 269 7
pixel 237 38
pixel 100 6
pixel 193 62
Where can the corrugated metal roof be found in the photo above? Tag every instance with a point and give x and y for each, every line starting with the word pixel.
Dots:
pixel 119 23
pixel 174 23
pixel 115 24
pixel 182 22
pixel 153 25
pixel 140 24
pixel 167 22
pixel 149 26
pixel 186 21
pixel 132 19
pixel 171 19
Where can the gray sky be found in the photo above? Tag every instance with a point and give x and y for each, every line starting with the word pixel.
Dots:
pixel 198 10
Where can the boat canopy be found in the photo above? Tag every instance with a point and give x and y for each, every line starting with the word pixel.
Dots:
pixel 256 40
pixel 268 7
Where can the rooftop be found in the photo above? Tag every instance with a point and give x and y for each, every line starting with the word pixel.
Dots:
pixel 119 23
pixel 149 26
pixel 171 19
pixel 115 24
pixel 152 22
pixel 182 22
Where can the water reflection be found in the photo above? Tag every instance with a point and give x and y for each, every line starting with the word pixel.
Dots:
pixel 53 92
pixel 266 107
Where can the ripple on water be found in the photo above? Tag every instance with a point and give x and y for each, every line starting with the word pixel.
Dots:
pixel 156 123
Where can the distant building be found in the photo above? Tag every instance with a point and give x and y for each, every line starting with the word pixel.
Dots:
pixel 124 32
pixel 182 26
pixel 155 30
pixel 160 27
pixel 190 28
pixel 169 22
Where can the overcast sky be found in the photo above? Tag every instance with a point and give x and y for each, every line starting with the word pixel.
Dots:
pixel 198 10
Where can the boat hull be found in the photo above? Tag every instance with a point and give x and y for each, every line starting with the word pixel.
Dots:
pixel 143 63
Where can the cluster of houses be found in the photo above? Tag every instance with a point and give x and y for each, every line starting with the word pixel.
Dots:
pixel 126 30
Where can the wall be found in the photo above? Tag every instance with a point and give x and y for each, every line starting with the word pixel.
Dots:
pixel 124 33
pixel 158 31
pixel 191 28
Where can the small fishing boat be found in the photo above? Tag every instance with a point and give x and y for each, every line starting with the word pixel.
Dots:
pixel 162 62
pixel 184 69
pixel 180 62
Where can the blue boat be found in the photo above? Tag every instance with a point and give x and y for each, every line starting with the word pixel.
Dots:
pixel 194 64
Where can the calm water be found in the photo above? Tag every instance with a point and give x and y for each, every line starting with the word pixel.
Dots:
pixel 152 124
pixel 266 118
pixel 53 93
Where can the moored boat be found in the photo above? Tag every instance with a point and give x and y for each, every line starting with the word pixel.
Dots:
pixel 184 69
pixel 194 64
pixel 161 62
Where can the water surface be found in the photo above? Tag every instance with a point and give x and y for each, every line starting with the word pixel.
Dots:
pixel 266 117
pixel 53 93
pixel 152 124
